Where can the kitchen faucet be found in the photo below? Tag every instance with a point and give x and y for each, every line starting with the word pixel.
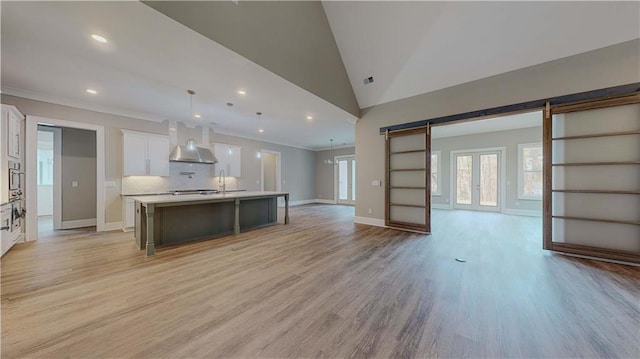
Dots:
pixel 221 178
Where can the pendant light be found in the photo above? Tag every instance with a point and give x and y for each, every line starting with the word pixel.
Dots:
pixel 191 114
pixel 330 160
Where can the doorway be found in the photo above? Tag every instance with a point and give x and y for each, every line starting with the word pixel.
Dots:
pixel 346 179
pixel 48 178
pixel 270 171
pixel 478 179
pixel 77 217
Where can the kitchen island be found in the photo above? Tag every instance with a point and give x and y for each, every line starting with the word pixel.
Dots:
pixel 169 219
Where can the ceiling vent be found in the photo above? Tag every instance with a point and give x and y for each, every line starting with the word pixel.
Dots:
pixel 368 80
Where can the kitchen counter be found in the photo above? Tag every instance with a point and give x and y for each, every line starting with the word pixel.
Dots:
pixel 168 219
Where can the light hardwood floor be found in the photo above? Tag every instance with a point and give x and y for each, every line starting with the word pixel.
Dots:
pixel 320 287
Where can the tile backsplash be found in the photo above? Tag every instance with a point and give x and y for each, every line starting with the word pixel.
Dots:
pixel 200 179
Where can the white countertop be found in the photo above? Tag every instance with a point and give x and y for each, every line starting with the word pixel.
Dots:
pixel 168 198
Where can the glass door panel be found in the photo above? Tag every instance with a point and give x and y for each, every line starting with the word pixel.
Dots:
pixel 464 179
pixel 342 181
pixel 353 180
pixel 346 179
pixel 489 179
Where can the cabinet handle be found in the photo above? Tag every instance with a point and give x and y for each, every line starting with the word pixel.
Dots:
pixel 4 228
pixel 17 144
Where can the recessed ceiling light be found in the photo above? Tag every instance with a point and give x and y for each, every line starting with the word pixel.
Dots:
pixel 261 130
pixel 99 38
pixel 92 91
pixel 242 92
pixel 197 115
pixel 309 118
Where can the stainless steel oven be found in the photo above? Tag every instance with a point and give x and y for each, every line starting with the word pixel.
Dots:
pixel 17 213
pixel 15 181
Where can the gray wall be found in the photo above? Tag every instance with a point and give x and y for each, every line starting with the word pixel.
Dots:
pixel 297 168
pixel 78 164
pixel 610 66
pixel 113 139
pixel 509 139
pixel 289 38
pixel 325 180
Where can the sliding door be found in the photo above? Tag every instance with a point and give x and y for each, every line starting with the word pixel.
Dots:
pixel 592 178
pixel 408 179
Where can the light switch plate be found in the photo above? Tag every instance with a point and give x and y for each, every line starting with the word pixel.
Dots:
pixel 74 184
pixel 375 183
pixel 110 184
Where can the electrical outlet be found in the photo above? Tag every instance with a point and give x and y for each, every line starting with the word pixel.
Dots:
pixel 74 184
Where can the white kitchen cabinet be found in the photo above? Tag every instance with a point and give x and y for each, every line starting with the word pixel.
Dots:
pixel 229 159
pixel 15 135
pixel 145 154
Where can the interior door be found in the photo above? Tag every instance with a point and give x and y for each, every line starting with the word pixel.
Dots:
pixel 346 178
pixel 477 180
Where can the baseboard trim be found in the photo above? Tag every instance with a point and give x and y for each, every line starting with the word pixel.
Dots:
pixel 78 223
pixel 297 203
pixel 112 226
pixel 369 221
pixel 522 212
pixel 324 201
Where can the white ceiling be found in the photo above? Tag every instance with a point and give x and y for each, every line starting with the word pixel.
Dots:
pixel 502 123
pixel 409 47
pixel 412 48
pixel 147 66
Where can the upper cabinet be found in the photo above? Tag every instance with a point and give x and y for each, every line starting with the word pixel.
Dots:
pixel 145 154
pixel 229 159
pixel 15 135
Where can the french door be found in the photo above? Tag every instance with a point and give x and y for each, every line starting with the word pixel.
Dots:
pixel 346 179
pixel 477 180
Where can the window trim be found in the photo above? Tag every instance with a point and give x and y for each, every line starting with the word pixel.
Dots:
pixel 439 171
pixel 521 147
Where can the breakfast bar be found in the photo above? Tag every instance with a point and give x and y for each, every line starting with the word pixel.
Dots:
pixel 167 219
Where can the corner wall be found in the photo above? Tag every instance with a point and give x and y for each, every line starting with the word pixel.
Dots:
pixel 610 66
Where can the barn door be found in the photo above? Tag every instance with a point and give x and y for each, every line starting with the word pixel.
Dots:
pixel 592 178
pixel 408 179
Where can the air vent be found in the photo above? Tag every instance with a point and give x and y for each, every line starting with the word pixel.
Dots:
pixel 368 80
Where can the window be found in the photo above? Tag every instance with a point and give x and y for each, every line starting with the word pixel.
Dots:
pixel 436 188
pixel 530 171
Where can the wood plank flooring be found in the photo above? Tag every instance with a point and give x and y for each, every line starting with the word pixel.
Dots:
pixel 320 287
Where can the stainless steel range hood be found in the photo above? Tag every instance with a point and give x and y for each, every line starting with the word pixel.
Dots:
pixel 192 154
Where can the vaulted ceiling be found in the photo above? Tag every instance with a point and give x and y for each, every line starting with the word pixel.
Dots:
pixel 415 47
pixel 302 63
